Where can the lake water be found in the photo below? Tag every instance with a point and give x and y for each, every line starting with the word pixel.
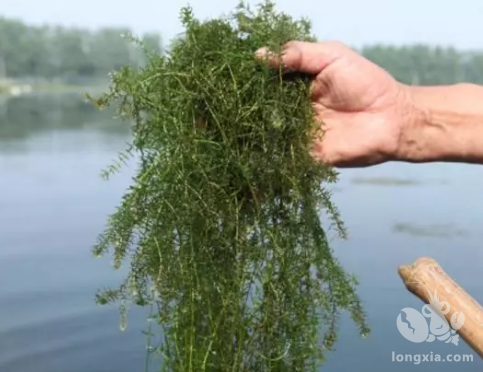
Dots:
pixel 53 205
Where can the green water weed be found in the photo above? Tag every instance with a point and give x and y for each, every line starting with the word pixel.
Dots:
pixel 222 227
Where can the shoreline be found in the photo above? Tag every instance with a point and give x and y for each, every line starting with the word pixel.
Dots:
pixel 12 88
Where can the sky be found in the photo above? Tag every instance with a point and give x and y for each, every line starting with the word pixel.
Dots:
pixel 355 22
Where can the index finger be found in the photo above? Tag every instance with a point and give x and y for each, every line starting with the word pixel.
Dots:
pixel 303 56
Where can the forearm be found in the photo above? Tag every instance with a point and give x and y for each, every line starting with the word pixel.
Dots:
pixel 447 125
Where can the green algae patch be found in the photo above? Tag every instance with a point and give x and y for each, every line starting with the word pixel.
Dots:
pixel 222 229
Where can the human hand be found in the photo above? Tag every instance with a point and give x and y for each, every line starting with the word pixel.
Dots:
pixel 363 110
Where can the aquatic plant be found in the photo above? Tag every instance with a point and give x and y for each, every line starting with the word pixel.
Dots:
pixel 222 227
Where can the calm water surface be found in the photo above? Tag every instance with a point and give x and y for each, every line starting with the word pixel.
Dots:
pixel 53 205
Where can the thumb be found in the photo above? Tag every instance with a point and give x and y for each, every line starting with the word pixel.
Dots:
pixel 307 57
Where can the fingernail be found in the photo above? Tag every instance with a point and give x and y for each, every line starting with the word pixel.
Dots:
pixel 264 53
pixel 261 52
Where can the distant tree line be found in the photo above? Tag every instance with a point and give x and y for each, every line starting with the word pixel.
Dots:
pixel 67 54
pixel 80 55
pixel 428 65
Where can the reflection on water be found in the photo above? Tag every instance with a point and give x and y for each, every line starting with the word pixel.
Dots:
pixel 53 205
pixel 385 181
pixel 439 231
pixel 398 182
pixel 46 117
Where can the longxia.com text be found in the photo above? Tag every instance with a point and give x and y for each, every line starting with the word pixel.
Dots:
pixel 419 358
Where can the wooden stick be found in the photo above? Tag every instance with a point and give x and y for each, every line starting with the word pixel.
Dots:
pixel 430 276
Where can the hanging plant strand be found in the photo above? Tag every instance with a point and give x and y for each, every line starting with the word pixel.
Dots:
pixel 222 227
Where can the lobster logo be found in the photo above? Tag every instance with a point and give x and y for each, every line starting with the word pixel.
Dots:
pixel 414 327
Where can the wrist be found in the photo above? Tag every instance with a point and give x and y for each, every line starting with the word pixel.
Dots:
pixel 445 124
